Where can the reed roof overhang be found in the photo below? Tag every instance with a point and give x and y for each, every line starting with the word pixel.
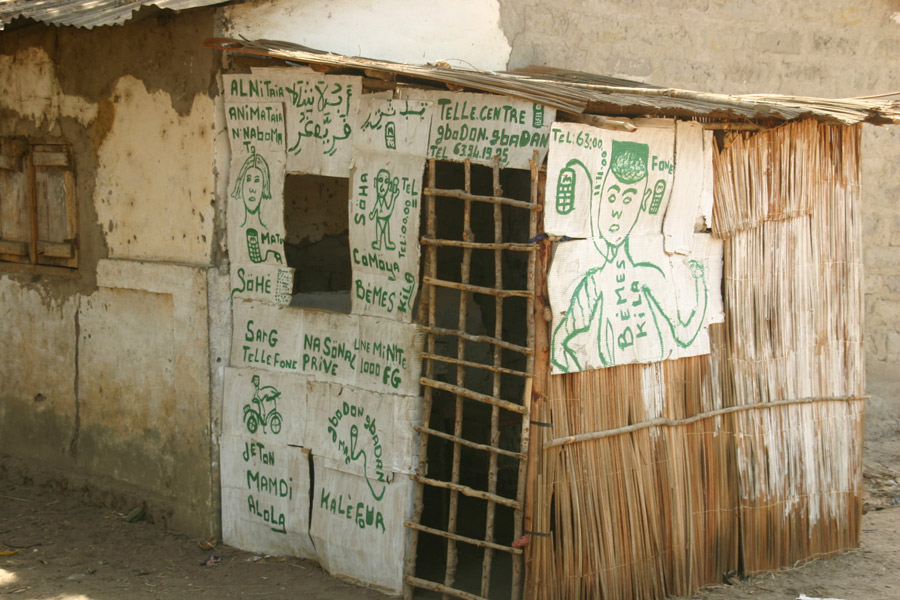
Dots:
pixel 581 93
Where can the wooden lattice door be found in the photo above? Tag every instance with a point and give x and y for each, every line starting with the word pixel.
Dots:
pixel 477 311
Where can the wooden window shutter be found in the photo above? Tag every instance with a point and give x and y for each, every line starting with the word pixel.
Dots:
pixel 54 206
pixel 15 220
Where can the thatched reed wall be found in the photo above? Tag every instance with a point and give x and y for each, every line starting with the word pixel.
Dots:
pixel 743 460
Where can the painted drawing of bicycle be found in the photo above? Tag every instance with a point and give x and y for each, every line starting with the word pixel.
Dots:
pixel 263 409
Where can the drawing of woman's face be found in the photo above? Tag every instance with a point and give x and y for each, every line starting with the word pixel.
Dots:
pixel 252 188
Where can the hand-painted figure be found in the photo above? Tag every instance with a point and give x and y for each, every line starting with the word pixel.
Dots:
pixel 621 301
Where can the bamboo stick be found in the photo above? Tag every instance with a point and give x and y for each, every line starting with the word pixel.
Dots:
pixel 476 289
pixel 468 491
pixel 475 365
pixel 452 557
pixel 425 241
pixel 662 422
pixel 496 199
pixel 428 307
pixel 436 587
pixel 438 331
pixel 471 444
pixel 462 538
pixel 497 356
pixel 466 393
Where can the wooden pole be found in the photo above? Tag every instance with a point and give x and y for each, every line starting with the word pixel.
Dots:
pixel 540 317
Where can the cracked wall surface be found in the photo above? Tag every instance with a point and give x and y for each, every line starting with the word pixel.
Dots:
pixel 105 369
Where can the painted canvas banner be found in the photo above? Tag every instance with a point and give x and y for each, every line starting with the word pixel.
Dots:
pixel 362 432
pixel 265 496
pixel 271 407
pixel 617 296
pixel 272 421
pixel 481 126
pixel 632 171
pixel 255 126
pixel 255 209
pixel 358 532
pixel 262 282
pixel 319 113
pixel 384 233
pixel 692 189
pixel 370 353
pixel 385 125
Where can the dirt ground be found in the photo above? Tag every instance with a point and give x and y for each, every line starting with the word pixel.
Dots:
pixel 65 549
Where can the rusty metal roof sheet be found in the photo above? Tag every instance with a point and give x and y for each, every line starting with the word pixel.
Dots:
pixel 86 13
pixel 580 93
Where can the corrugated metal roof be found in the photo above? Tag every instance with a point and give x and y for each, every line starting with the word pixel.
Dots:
pixel 579 93
pixel 86 13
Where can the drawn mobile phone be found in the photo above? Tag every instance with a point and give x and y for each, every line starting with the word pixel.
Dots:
pixel 565 191
pixel 390 135
pixel 659 191
pixel 253 245
pixel 255 251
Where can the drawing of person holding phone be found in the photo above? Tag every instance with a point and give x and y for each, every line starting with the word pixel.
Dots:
pixel 252 186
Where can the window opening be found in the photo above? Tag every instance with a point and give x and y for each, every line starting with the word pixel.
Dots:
pixel 317 243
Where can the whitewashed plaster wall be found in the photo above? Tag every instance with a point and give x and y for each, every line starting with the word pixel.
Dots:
pixel 465 33
pixel 154 188
pixel 105 370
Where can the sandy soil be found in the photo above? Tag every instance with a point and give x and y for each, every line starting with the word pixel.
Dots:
pixel 68 550
pixel 65 549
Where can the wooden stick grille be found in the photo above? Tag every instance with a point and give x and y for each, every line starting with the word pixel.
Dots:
pixel 483 366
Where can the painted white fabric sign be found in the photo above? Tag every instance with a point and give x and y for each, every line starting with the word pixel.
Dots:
pixel 319 113
pixel 271 407
pixel 384 233
pixel 580 172
pixel 692 189
pixel 262 282
pixel 386 125
pixel 255 209
pixel 481 126
pixel 271 422
pixel 370 353
pixel 358 533
pixel 265 496
pixel 362 432
pixel 255 126
pixel 617 296
pixel 255 206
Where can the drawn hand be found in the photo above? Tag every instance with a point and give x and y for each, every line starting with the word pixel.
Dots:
pixel 395 189
pixel 696 269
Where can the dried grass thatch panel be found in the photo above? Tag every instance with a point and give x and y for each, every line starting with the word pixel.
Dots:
pixel 793 282
pixel 800 471
pixel 643 514
pixel 658 479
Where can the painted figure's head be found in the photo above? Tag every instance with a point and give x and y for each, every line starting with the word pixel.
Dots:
pixel 383 183
pixel 252 184
pixel 623 193
pixel 255 380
